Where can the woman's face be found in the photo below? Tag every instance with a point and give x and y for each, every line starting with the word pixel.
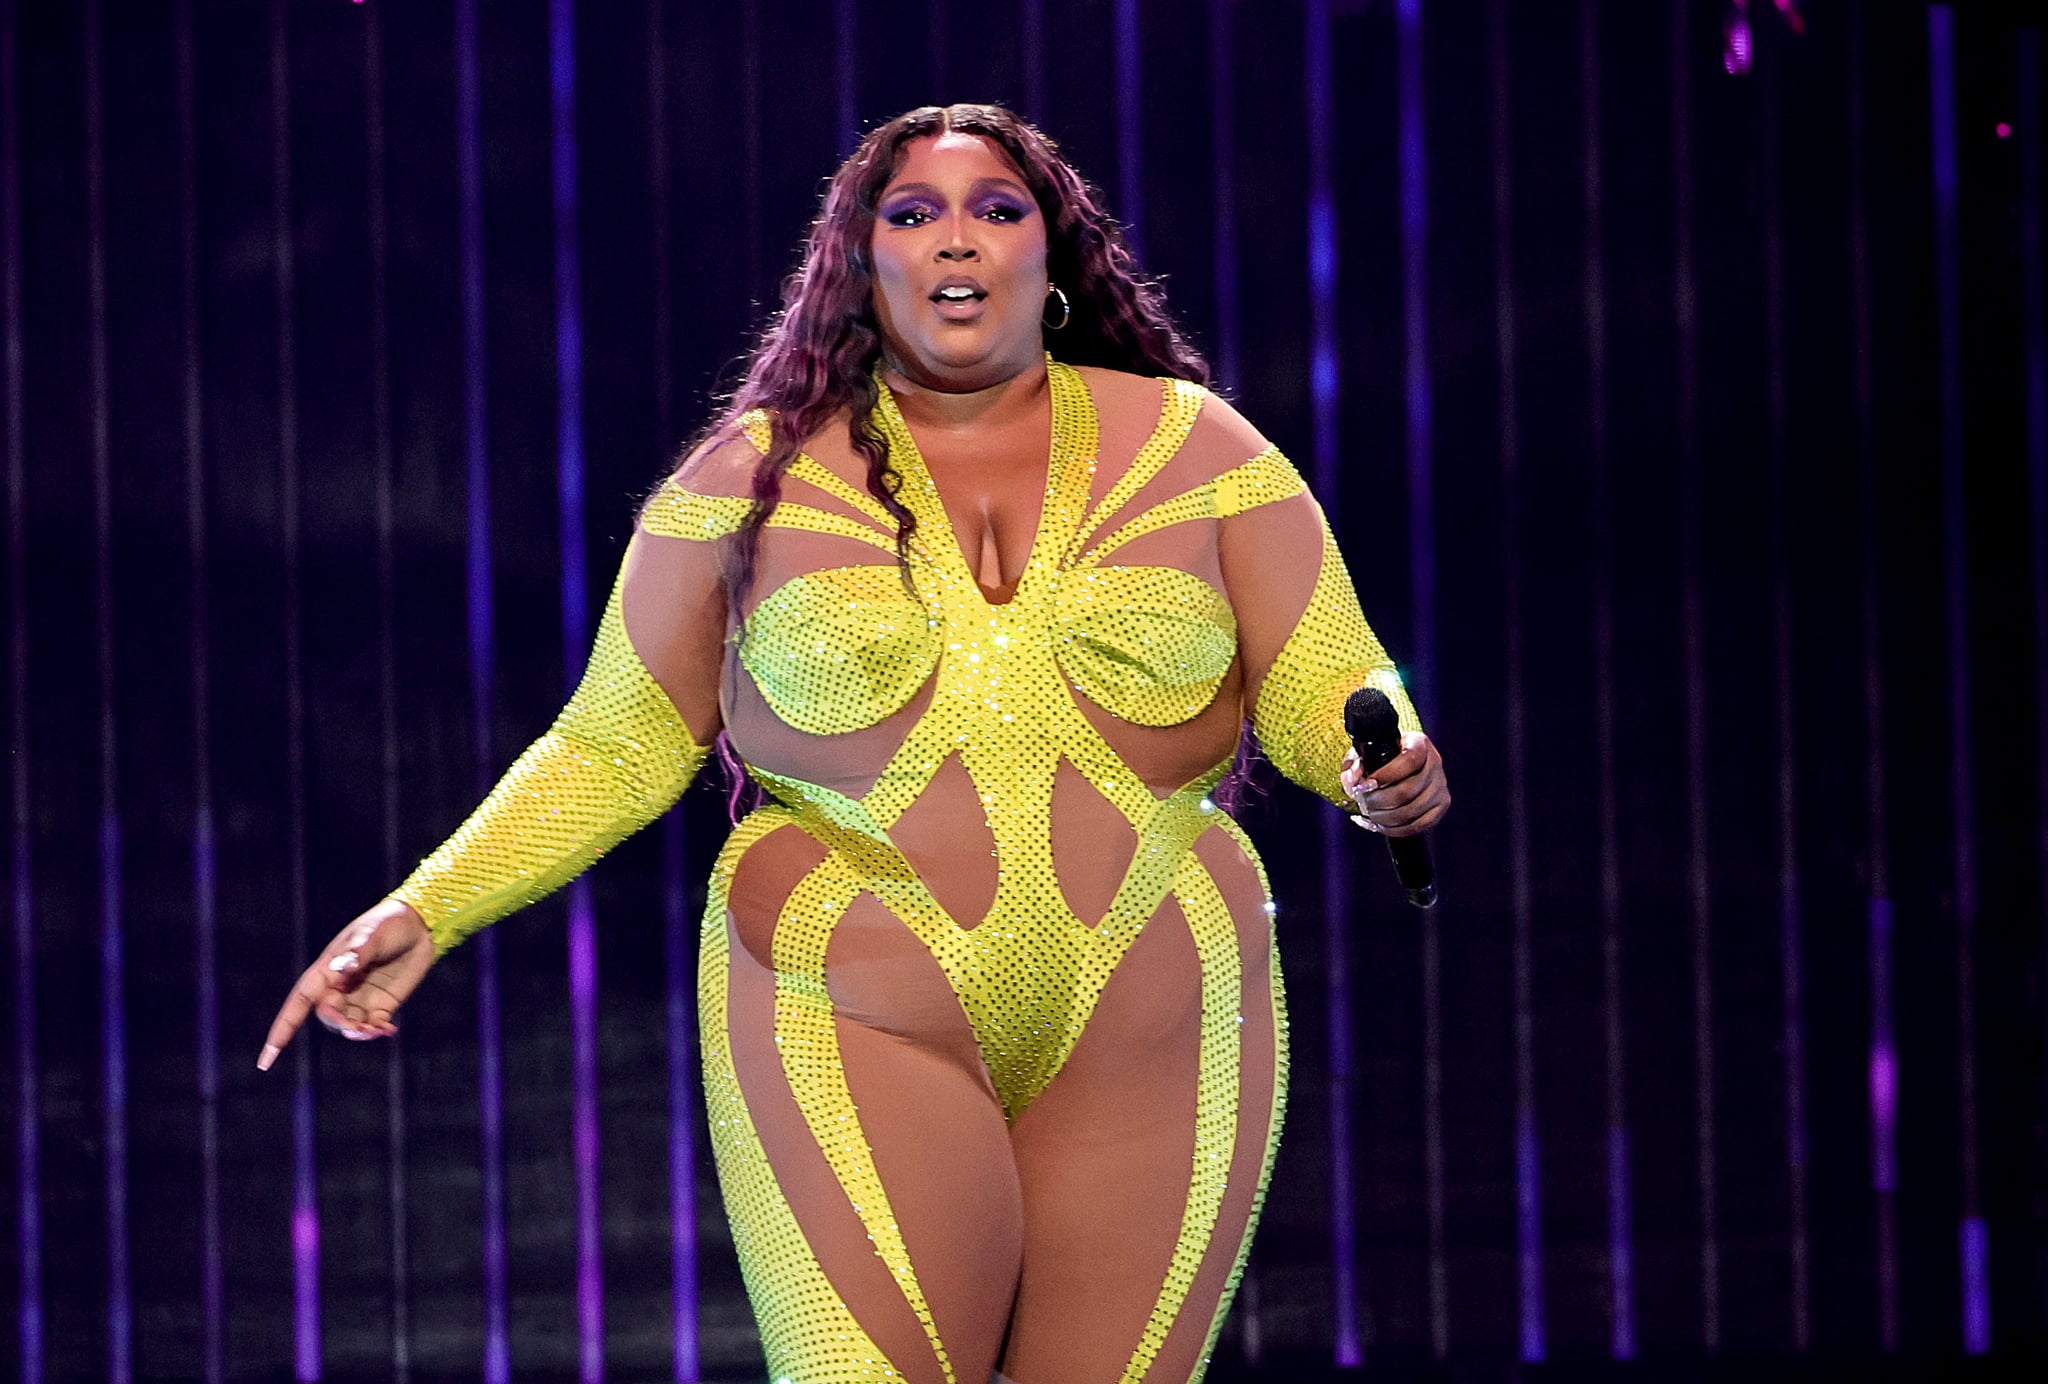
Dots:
pixel 959 258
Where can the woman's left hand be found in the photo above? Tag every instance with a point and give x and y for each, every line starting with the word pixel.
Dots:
pixel 1404 796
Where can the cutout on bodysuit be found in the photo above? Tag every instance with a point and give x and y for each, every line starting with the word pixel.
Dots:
pixel 946 838
pixel 1092 843
pixel 912 1068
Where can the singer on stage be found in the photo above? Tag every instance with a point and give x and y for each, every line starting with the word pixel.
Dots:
pixel 980 584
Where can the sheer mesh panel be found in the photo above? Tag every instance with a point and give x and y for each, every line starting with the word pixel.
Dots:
pixel 994 1041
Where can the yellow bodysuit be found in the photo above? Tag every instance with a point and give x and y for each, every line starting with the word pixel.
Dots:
pixel 993 1033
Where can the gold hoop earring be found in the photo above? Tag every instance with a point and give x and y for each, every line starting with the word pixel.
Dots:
pixel 1066 310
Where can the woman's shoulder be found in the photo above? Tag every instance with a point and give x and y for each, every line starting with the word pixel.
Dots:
pixel 723 464
pixel 1131 394
pixel 1220 437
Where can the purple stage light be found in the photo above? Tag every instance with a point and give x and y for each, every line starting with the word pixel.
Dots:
pixel 1791 941
pixel 575 650
pixel 28 1089
pixel 1130 166
pixel 1883 1094
pixel 397 1195
pixel 1528 1168
pixel 1884 1086
pixel 2034 387
pixel 1737 41
pixel 846 51
pixel 113 1012
pixel 1337 904
pixel 206 942
pixel 1223 151
pixel 679 955
pixel 1620 1249
pixel 1032 17
pixel 1976 1291
pixel 1413 152
pixel 305 1180
pixel 680 958
pixel 479 602
pixel 1693 639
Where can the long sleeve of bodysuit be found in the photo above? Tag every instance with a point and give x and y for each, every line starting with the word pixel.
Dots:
pixel 617 756
pixel 1330 653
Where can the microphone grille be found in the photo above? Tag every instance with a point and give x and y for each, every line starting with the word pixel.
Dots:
pixel 1373 725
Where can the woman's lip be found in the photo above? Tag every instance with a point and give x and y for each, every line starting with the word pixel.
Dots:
pixel 961 310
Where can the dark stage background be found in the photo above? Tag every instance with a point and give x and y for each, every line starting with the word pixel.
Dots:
pixel 1687 428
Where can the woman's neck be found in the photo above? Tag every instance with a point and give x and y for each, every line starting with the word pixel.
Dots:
pixel 1009 400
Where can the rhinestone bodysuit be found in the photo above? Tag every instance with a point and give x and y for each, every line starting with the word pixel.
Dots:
pixel 1016 695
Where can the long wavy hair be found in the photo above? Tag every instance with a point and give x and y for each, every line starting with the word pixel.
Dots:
pixel 815 360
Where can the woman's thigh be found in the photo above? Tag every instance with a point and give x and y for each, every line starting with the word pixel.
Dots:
pixel 1143 1162
pixel 862 1081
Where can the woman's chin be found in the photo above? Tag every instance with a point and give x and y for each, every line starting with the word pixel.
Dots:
pixel 963 362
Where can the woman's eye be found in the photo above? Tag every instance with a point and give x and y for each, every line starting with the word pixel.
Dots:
pixel 1003 211
pixel 909 216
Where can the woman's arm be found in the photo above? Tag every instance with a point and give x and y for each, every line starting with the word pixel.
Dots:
pixel 622 750
pixel 617 756
pixel 1304 641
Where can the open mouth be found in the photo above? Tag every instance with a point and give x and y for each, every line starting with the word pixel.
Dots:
pixel 958 291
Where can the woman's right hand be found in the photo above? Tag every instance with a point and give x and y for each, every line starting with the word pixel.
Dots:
pixel 360 980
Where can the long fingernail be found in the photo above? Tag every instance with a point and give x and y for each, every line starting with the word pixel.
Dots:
pixel 267 1056
pixel 1369 785
pixel 1361 822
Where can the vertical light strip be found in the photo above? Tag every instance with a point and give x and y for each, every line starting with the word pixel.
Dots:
pixel 678 955
pixel 1414 176
pixel 2034 386
pixel 846 66
pixel 1223 154
pixel 206 943
pixel 305 1228
pixel 28 1088
pixel 1693 621
pixel 1976 1295
pixel 479 602
pixel 1621 1306
pixel 397 1197
pixel 1883 1062
pixel 1791 945
pixel 750 142
pixel 1033 24
pixel 680 958
pixel 1323 371
pixel 1223 150
pixel 937 51
pixel 1130 145
pixel 1528 1170
pixel 113 1019
pixel 575 651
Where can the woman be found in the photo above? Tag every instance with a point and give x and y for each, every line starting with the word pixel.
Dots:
pixel 994 1044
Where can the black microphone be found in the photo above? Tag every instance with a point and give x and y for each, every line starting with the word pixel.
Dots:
pixel 1375 730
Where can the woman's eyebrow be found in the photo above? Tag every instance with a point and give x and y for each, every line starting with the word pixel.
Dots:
pixel 980 185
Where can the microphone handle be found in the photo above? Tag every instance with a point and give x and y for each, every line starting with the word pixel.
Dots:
pixel 1413 866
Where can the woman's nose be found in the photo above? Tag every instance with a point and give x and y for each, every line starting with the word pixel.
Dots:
pixel 957 252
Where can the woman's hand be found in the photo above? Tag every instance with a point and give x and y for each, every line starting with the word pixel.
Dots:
pixel 362 977
pixel 1406 795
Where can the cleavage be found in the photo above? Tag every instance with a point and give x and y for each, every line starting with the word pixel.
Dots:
pixel 995 509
